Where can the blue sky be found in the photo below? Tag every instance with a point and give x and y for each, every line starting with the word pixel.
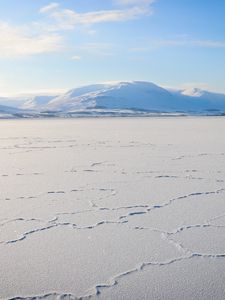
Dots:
pixel 54 46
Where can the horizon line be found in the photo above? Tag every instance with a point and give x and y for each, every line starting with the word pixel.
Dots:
pixel 59 91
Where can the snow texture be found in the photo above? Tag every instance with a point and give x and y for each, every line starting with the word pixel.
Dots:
pixel 112 209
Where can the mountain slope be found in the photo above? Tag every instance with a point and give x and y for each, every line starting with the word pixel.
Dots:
pixel 8 109
pixel 136 95
pixel 122 95
pixel 119 97
pixel 15 102
pixel 206 99
pixel 37 102
pixel 9 112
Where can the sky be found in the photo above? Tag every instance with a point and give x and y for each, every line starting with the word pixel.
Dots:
pixel 50 47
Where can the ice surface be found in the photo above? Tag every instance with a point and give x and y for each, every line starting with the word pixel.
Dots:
pixel 112 209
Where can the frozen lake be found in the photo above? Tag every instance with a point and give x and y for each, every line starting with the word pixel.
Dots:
pixel 112 209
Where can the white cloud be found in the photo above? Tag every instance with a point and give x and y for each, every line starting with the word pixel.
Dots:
pixel 193 87
pixel 97 49
pixel 134 2
pixel 50 7
pixel 179 42
pixel 192 42
pixel 17 42
pixel 76 57
pixel 68 19
pixel 44 36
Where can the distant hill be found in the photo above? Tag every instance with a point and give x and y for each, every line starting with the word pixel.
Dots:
pixel 138 96
pixel 7 111
pixel 122 97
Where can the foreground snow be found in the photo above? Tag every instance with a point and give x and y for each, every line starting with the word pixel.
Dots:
pixel 112 209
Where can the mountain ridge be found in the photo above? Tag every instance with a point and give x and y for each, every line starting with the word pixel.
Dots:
pixel 125 95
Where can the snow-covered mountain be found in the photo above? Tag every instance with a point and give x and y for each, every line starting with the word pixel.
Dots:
pixel 23 106
pixel 121 97
pixel 201 100
pixel 37 102
pixel 33 102
pixel 137 95
pixel 8 109
pixel 9 112
pixel 13 101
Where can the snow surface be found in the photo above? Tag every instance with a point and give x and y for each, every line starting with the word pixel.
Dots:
pixel 112 209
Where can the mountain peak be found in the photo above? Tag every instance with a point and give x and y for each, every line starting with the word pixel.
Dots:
pixel 194 92
pixel 129 95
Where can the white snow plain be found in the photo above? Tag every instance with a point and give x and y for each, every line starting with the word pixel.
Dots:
pixel 112 209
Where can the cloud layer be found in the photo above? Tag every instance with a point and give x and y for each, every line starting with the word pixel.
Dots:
pixel 68 19
pixel 182 41
pixel 46 34
pixel 17 42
